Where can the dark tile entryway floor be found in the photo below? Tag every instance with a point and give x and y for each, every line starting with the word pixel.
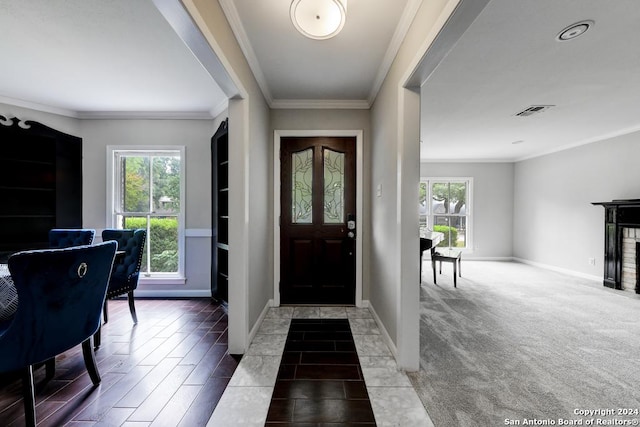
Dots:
pixel 320 379
pixel 321 376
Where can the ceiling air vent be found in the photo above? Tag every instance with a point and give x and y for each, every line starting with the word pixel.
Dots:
pixel 534 109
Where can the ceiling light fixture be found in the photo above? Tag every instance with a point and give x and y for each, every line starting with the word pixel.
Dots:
pixel 318 19
pixel 574 30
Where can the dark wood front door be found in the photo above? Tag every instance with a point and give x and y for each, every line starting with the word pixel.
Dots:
pixel 318 212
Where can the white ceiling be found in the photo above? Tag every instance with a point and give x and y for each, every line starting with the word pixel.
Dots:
pixel 346 70
pixel 96 58
pixel 509 59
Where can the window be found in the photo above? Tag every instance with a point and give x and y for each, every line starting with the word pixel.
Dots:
pixel 147 187
pixel 444 205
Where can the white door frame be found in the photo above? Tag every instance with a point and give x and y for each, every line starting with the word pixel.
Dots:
pixel 277 135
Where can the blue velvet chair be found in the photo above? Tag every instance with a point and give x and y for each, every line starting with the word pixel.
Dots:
pixel 126 269
pixel 60 238
pixel 67 237
pixel 61 293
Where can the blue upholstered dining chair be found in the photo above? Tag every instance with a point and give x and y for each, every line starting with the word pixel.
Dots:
pixel 68 237
pixel 61 293
pixel 60 238
pixel 126 269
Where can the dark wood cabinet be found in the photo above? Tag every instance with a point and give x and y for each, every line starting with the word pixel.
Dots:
pixel 40 184
pixel 220 213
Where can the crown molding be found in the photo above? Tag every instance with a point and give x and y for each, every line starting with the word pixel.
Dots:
pixel 219 109
pixel 38 107
pixel 145 115
pixel 121 115
pixel 231 13
pixel 402 28
pixel 320 104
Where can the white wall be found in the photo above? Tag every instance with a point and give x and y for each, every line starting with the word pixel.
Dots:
pixel 492 204
pixel 554 221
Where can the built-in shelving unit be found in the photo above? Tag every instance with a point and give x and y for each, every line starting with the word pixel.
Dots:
pixel 40 184
pixel 220 212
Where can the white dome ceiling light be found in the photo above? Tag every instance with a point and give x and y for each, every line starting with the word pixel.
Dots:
pixel 318 19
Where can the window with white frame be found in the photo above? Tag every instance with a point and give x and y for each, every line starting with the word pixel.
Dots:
pixel 444 205
pixel 147 190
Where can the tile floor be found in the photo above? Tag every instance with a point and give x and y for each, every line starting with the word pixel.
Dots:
pixel 247 398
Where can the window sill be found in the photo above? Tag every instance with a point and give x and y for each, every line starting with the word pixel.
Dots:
pixel 174 280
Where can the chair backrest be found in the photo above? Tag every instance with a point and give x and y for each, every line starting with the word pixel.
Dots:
pixel 131 241
pixel 68 237
pixel 61 293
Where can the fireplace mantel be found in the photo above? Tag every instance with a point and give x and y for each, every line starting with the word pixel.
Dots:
pixel 619 214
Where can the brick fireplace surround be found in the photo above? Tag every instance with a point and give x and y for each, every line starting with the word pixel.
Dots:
pixel 630 244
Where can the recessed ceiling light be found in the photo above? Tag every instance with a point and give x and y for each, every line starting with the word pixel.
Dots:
pixel 574 30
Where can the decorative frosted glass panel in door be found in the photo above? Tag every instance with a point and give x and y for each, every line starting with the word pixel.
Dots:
pixel 333 187
pixel 301 187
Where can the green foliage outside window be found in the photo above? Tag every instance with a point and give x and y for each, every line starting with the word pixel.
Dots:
pixel 163 240
pixel 448 231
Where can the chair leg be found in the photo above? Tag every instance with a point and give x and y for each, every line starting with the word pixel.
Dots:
pixel 50 368
pixel 28 397
pixel 440 267
pixel 455 284
pixel 132 308
pixel 460 267
pixel 105 313
pixel 420 280
pixel 90 361
pixel 97 338
pixel 433 267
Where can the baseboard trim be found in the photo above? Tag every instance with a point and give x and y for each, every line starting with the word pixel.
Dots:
pixel 383 331
pixel 487 258
pixel 256 326
pixel 173 293
pixel 559 269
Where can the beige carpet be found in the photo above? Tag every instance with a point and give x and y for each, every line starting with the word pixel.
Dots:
pixel 514 342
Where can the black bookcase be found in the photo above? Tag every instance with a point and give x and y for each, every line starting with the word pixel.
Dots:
pixel 220 213
pixel 40 184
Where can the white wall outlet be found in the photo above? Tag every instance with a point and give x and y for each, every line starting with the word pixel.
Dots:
pixel 379 190
pixel 592 261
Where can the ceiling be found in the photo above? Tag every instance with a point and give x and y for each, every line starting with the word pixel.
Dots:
pixel 508 60
pixel 97 58
pixel 120 58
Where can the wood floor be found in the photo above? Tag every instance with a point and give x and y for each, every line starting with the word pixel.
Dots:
pixel 168 370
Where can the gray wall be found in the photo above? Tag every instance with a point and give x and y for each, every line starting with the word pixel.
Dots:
pixel 195 135
pixel 395 164
pixel 492 209
pixel 554 221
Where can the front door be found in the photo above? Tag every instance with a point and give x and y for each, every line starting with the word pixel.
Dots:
pixel 317 228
